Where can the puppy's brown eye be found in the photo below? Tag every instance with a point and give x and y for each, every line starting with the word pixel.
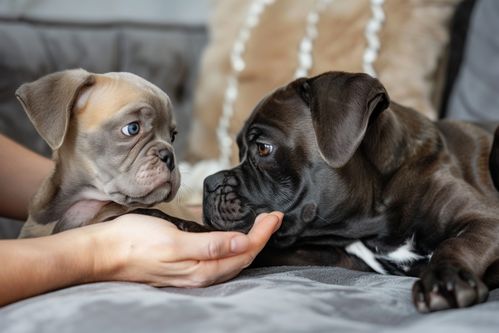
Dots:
pixel 264 149
pixel 174 133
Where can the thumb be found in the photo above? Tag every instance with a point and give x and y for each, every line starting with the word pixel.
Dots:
pixel 265 225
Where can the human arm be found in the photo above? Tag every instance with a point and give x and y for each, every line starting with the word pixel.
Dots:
pixel 130 248
pixel 21 173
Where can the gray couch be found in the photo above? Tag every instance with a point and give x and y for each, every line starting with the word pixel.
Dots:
pixel 162 41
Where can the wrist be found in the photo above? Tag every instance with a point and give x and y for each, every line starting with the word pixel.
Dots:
pixel 85 254
pixel 106 252
pixel 74 252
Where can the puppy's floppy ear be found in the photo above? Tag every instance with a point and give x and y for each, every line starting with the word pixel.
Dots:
pixel 342 106
pixel 49 100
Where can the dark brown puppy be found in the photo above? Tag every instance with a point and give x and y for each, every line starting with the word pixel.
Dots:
pixel 366 184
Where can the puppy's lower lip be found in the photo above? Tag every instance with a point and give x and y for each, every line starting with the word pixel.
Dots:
pixel 129 199
pixel 239 226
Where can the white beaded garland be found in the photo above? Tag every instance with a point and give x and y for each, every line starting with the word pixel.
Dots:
pixel 371 33
pixel 238 64
pixel 305 60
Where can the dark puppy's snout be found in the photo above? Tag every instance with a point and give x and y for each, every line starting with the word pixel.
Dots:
pixel 167 156
pixel 212 182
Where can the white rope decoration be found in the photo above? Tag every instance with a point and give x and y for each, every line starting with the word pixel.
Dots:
pixel 196 173
pixel 371 32
pixel 237 65
pixel 305 59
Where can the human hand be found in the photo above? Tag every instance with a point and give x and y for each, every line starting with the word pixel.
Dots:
pixel 150 250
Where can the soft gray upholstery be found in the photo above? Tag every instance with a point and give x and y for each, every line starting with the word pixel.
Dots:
pixel 291 299
pixel 475 96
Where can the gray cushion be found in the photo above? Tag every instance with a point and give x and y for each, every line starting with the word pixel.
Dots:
pixel 475 95
pixel 173 13
pixel 278 299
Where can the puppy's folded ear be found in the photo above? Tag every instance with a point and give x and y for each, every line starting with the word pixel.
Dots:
pixel 342 106
pixel 49 100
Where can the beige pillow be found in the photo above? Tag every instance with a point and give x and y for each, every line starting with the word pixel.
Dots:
pixel 413 43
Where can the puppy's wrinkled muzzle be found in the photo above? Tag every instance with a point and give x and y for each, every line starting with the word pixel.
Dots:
pixel 222 207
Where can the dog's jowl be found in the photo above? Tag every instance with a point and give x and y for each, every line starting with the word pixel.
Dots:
pixel 367 184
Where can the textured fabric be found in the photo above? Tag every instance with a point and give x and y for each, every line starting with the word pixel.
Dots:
pixel 475 95
pixel 188 13
pixel 278 299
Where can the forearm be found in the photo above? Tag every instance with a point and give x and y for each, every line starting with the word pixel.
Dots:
pixel 21 173
pixel 34 266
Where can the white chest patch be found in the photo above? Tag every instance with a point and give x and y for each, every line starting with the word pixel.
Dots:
pixel 360 250
pixel 403 256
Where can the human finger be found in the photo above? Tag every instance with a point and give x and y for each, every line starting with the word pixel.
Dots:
pixel 209 245
pixel 221 244
pixel 215 271
pixel 265 225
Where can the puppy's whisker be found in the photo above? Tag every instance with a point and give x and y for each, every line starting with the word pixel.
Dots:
pixel 185 190
pixel 182 194
pixel 253 211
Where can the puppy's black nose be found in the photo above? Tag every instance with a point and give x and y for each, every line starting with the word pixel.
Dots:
pixel 221 178
pixel 167 156
pixel 212 182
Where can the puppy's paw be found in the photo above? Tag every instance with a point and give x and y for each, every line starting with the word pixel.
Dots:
pixel 447 287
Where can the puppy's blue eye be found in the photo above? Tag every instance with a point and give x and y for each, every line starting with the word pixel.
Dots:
pixel 131 129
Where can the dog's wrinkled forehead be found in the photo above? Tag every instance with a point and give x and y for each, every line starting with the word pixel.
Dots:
pixel 281 113
pixel 114 93
pixel 135 80
pixel 283 109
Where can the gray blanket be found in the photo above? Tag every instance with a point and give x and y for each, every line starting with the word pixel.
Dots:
pixel 277 299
